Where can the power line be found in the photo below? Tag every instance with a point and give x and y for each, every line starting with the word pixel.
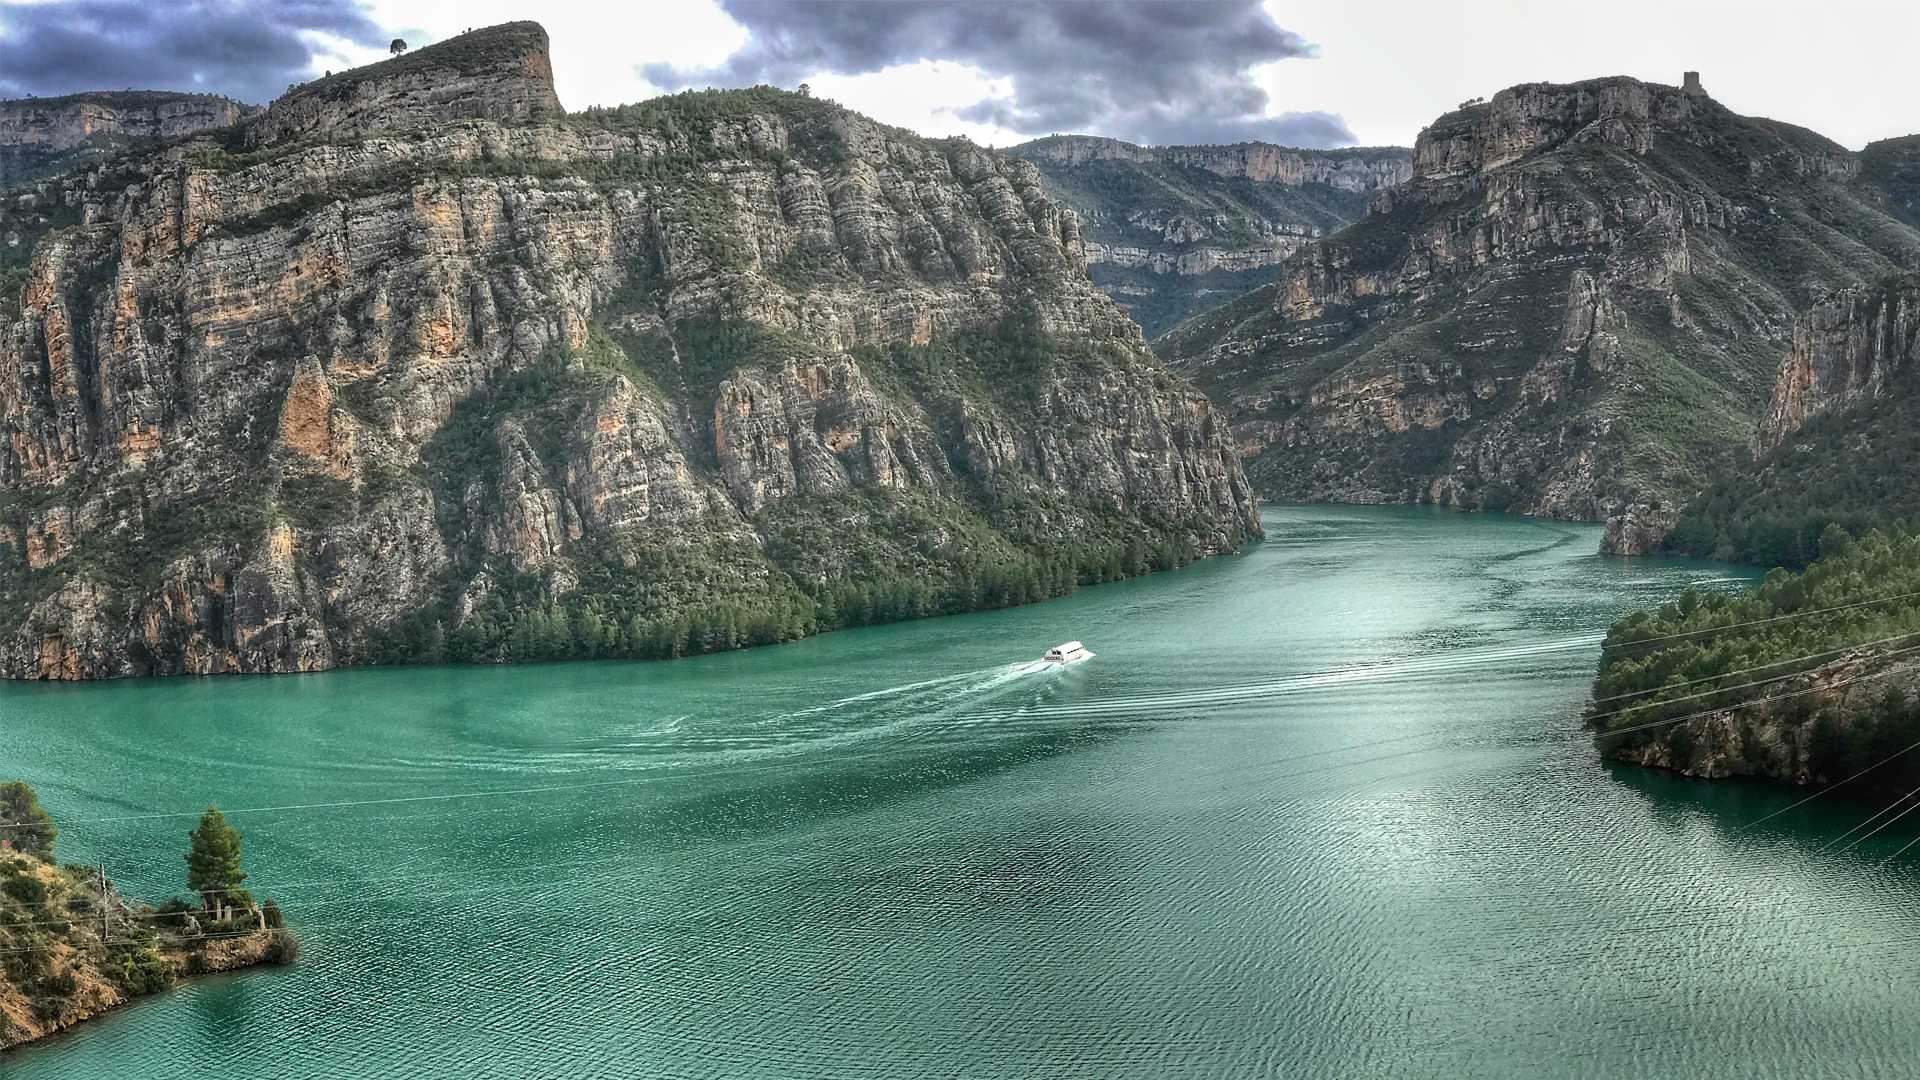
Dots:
pixel 1760 667
pixel 1749 704
pixel 1909 748
pixel 1870 819
pixel 1762 622
pixel 1742 686
pixel 1902 851
pixel 1419 666
pixel 1294 774
pixel 1878 828
pixel 1508 654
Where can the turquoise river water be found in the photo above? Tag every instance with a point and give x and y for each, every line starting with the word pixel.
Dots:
pixel 1320 809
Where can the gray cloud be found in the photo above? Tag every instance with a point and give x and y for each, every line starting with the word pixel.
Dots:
pixel 1157 71
pixel 249 50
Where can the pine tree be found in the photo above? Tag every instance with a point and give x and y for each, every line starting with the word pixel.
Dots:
pixel 213 861
pixel 23 825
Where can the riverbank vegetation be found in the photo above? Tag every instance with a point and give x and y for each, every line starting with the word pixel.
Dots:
pixel 1850 618
pixel 72 947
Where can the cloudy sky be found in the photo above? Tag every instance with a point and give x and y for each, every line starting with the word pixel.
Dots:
pixel 1305 72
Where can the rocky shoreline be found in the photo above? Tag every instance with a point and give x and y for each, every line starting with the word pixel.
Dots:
pixel 21 1026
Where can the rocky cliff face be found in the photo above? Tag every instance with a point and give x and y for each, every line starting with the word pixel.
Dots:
pixel 1836 441
pixel 501 73
pixel 1225 215
pixel 1574 308
pixel 473 378
pixel 64 123
pixel 1362 170
pixel 1847 348
pixel 41 136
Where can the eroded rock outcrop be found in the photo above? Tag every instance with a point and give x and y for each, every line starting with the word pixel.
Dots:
pixel 500 73
pixel 42 136
pixel 1847 348
pixel 64 123
pixel 1775 739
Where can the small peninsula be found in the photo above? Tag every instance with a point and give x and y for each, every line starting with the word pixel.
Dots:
pixel 72 947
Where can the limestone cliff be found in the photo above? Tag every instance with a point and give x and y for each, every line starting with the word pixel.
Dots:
pixel 1847 348
pixel 500 73
pixel 40 136
pixel 1173 229
pixel 1837 440
pixel 1574 308
pixel 466 376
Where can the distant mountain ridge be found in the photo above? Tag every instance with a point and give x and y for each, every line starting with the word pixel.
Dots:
pixel 1171 230
pixel 1576 307
pixel 42 136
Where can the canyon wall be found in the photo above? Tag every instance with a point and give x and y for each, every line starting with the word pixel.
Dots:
pixel 473 377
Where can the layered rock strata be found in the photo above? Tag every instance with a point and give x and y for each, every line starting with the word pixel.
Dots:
pixel 414 358
pixel 1575 308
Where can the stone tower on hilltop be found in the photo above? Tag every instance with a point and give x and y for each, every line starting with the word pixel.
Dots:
pixel 1690 82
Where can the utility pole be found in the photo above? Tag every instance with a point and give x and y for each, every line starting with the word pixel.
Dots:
pixel 103 907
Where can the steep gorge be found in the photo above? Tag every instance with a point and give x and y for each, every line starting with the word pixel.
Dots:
pixel 1172 230
pixel 1576 308
pixel 415 364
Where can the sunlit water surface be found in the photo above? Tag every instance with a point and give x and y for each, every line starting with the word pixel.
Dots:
pixel 1321 809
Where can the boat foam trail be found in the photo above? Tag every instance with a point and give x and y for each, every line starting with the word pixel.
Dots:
pixel 1437 665
pixel 1305 682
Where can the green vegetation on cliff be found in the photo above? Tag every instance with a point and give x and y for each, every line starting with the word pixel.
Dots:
pixel 1840 441
pixel 1851 470
pixel 812 563
pixel 1892 166
pixel 72 947
pixel 1856 608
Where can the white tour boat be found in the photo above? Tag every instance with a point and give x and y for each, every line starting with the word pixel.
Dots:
pixel 1071 652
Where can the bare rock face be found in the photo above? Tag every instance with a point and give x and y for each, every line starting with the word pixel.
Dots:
pixel 64 123
pixel 42 136
pixel 1228 214
pixel 498 73
pixel 1366 169
pixel 1572 309
pixel 469 377
pixel 1638 529
pixel 1847 348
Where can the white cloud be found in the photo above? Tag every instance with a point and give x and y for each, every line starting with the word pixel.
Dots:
pixel 1843 68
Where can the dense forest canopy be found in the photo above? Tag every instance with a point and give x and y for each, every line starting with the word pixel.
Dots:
pixel 1704 652
pixel 1852 469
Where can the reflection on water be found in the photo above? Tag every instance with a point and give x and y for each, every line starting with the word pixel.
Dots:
pixel 1320 809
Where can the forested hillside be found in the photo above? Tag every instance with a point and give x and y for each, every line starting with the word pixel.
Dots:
pixel 1810 678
